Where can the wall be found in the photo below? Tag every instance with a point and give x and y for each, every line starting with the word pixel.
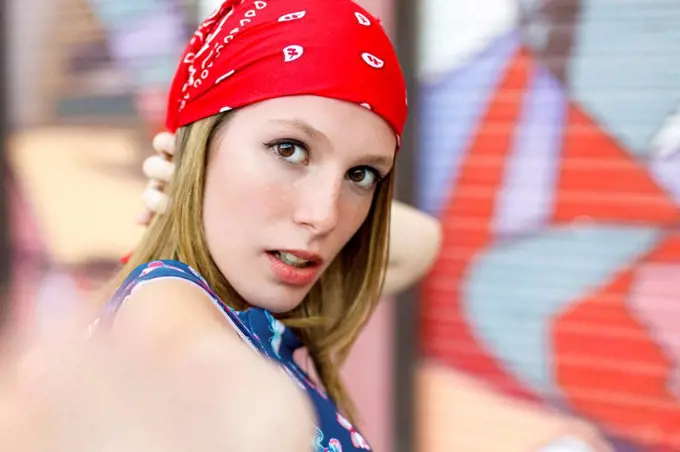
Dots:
pixel 30 26
pixel 550 147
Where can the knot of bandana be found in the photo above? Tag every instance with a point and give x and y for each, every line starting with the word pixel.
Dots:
pixel 250 51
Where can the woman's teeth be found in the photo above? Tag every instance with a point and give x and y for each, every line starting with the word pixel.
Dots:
pixel 292 259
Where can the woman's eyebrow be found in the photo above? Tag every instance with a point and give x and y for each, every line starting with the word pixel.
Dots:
pixel 306 128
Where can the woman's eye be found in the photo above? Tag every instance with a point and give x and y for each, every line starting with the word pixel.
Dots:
pixel 363 176
pixel 291 152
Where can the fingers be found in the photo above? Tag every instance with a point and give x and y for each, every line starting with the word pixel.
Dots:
pixel 164 144
pixel 158 169
pixel 155 201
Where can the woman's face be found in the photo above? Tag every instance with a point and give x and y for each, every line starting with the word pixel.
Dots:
pixel 289 182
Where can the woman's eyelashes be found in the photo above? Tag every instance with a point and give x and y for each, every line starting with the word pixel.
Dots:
pixel 364 176
pixel 297 152
pixel 289 150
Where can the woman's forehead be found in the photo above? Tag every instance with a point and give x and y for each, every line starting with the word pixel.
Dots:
pixel 318 118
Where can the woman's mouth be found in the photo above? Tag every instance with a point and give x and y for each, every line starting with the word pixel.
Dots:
pixel 297 268
pixel 292 259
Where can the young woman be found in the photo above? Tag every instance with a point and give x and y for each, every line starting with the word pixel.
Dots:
pixel 288 116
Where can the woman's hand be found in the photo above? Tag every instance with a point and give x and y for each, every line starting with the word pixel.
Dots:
pixel 158 169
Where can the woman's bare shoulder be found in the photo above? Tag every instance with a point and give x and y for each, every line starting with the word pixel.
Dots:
pixel 173 314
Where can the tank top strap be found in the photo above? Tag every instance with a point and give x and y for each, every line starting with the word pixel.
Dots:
pixel 163 269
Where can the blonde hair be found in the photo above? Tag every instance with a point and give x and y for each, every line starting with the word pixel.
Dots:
pixel 333 313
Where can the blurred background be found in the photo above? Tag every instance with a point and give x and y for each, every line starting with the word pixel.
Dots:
pixel 546 137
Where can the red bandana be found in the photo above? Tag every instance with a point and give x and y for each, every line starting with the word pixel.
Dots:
pixel 249 51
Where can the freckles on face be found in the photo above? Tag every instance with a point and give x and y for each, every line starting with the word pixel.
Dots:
pixel 242 188
pixel 286 188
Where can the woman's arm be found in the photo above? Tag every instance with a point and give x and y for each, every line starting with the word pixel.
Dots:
pixel 177 323
pixel 415 240
pixel 415 237
pixel 169 376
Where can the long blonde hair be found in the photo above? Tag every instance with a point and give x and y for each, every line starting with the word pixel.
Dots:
pixel 337 307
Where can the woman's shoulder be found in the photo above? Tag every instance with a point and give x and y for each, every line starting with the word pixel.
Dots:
pixel 156 271
pixel 164 268
pixel 164 296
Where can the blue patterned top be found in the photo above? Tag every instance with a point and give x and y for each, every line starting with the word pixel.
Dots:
pixel 268 336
